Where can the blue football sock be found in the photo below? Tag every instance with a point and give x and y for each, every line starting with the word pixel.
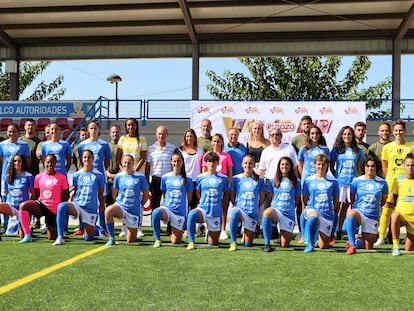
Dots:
pixel 88 238
pixel 191 225
pixel 234 224
pixel 62 218
pixel 267 230
pixel 248 244
pixel 101 220
pixel 302 221
pixel 311 228
pixel 351 228
pixel 335 224
pixel 111 229
pixel 156 223
pixel 359 243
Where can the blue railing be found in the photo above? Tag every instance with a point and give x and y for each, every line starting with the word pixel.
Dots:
pixel 173 109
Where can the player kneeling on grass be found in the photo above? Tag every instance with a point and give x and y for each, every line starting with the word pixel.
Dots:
pixel 87 183
pixel 247 194
pixel 51 188
pixel 127 189
pixel 284 195
pixel 321 198
pixel 177 191
pixel 403 194
pixel 212 189
pixel 368 191
pixel 18 186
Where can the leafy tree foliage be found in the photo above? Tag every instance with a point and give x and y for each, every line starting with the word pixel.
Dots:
pixel 28 73
pixel 301 78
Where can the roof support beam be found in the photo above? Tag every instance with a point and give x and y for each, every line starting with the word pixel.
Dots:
pixel 195 87
pixel 396 79
pixel 405 24
pixel 188 21
pixel 7 40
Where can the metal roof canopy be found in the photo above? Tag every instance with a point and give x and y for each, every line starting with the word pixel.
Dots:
pixel 106 29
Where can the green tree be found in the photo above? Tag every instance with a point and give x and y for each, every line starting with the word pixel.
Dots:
pixel 303 78
pixel 28 73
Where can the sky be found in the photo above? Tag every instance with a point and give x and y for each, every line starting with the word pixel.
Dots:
pixel 171 78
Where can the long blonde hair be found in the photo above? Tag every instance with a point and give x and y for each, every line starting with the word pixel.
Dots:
pixel 265 142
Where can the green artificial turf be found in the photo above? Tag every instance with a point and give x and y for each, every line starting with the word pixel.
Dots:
pixel 139 277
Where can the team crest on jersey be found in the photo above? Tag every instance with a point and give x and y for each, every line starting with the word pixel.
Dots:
pixel 12 149
pixel 399 162
pixel 370 187
pixel 55 147
pixel 400 150
pixel 136 181
pixel 284 185
pixel 378 185
pixel 47 194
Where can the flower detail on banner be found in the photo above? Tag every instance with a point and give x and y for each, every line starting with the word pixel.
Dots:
pixel 276 109
pixel 301 110
pixel 326 110
pixel 202 109
pixel 351 110
pixel 227 109
pixel 252 109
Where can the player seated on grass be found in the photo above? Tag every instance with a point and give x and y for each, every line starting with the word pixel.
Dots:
pixel 321 201
pixel 368 193
pixel 284 196
pixel 127 189
pixel 177 191
pixel 403 194
pixel 247 194
pixel 18 186
pixel 51 188
pixel 212 189
pixel 88 199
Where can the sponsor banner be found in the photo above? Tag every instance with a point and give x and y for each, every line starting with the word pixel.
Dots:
pixel 330 116
pixel 41 109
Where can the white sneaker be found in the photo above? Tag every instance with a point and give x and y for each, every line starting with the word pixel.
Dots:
pixel 59 241
pixel 140 234
pixel 379 242
pixel 123 231
pixel 223 235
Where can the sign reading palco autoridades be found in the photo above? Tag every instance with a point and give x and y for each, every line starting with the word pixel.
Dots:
pixel 48 109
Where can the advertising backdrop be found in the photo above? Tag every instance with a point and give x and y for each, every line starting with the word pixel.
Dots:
pixel 328 115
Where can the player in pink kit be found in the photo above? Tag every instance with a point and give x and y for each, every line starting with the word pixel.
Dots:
pixel 51 188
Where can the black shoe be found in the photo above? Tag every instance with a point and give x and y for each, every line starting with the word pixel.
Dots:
pixel 275 233
pixel 267 248
pixel 339 235
pixel 1 238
